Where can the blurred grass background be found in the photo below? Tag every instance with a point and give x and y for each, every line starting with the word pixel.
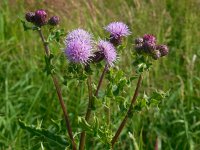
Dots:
pixel 26 92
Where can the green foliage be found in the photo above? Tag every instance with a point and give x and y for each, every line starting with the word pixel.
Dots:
pixel 142 63
pixel 152 101
pixel 75 72
pixel 55 34
pixel 101 132
pixel 117 82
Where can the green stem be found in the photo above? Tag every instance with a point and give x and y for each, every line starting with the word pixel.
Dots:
pixel 88 113
pixel 114 139
pixel 59 93
pixel 89 109
pixel 101 79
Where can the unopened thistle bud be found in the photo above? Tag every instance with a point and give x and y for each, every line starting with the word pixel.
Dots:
pixel 149 38
pixel 54 20
pixel 156 54
pixel 149 47
pixel 40 17
pixel 139 40
pixel 163 50
pixel 30 16
pixel 139 45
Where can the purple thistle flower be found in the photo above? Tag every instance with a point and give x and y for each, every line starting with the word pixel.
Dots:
pixel 79 34
pixel 117 30
pixel 78 51
pixel 40 17
pixel 109 51
pixel 79 48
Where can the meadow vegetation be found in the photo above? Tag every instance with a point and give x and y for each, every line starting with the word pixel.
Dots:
pixel 26 93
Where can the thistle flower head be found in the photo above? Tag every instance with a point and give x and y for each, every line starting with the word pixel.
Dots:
pixel 54 20
pixel 79 34
pixel 78 51
pixel 109 52
pixel 139 40
pixel 30 16
pixel 163 49
pixel 149 46
pixel 156 54
pixel 139 44
pixel 40 17
pixel 117 30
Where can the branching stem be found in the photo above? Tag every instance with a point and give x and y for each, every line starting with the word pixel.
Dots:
pixel 114 139
pixel 101 79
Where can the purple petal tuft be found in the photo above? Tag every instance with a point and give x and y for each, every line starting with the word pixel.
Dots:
pixel 79 34
pixel 109 52
pixel 118 29
pixel 78 46
pixel 78 51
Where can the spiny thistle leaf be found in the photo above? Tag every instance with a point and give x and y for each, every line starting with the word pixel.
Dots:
pixel 56 139
pixel 56 35
pixel 84 125
pixel 26 27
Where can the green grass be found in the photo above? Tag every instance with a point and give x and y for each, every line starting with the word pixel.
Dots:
pixel 27 93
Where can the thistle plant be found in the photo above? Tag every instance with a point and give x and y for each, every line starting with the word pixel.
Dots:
pixel 86 56
pixel 39 19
